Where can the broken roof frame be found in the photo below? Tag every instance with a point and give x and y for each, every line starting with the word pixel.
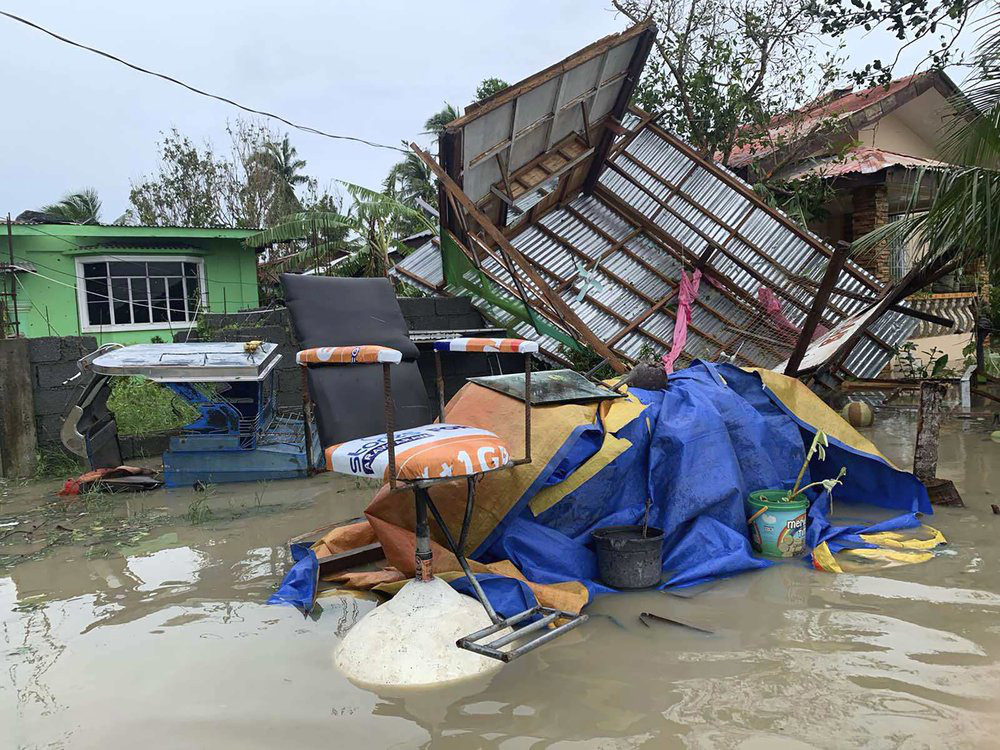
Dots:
pixel 600 254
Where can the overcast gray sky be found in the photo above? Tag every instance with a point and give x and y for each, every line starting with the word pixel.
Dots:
pixel 377 70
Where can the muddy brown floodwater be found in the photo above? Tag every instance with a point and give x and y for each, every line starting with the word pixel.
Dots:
pixel 169 644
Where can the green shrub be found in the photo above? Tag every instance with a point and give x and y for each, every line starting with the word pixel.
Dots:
pixel 142 407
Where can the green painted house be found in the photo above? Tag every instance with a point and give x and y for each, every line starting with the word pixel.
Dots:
pixel 126 284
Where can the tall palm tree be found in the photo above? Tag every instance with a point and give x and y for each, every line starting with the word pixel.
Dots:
pixel 281 161
pixel 964 210
pixel 373 222
pixel 409 180
pixel 83 207
pixel 436 122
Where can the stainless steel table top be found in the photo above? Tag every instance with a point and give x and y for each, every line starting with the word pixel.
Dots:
pixel 202 362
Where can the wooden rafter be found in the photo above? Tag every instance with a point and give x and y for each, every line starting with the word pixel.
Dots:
pixel 502 242
pixel 633 73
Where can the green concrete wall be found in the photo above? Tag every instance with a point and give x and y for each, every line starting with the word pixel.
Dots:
pixel 47 300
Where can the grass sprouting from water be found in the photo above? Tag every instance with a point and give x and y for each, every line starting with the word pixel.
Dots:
pixel 55 462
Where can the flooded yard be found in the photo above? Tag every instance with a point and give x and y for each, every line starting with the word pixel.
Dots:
pixel 151 631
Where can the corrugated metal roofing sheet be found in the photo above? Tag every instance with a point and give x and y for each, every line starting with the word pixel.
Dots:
pixel 609 269
pixel 861 160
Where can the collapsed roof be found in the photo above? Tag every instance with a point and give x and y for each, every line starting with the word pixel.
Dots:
pixel 570 218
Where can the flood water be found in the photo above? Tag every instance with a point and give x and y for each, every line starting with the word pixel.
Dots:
pixel 168 644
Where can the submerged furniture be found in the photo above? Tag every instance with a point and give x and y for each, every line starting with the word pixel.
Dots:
pixel 374 417
pixel 89 429
pixel 239 435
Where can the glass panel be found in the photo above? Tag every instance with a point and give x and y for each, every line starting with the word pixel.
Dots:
pixel 164 268
pixel 127 268
pixel 158 299
pixel 120 301
pixel 98 309
pixel 191 269
pixel 193 295
pixel 176 289
pixel 92 270
pixel 140 301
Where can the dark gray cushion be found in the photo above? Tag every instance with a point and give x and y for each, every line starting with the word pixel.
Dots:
pixel 332 311
pixel 349 403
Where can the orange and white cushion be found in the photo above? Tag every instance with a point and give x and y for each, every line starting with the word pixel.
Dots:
pixel 435 451
pixel 509 346
pixel 349 355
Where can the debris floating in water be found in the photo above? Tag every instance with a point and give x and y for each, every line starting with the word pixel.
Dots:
pixel 643 616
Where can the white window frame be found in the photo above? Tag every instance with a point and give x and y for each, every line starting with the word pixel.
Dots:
pixel 81 293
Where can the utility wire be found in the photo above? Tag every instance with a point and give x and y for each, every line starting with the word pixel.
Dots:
pixel 200 92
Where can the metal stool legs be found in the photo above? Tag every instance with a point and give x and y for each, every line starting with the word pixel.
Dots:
pixel 530 636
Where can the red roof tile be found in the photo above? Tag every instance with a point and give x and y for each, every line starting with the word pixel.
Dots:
pixel 789 127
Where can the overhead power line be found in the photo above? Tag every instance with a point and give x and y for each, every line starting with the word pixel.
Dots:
pixel 200 92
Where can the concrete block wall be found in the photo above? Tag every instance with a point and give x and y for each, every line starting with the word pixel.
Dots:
pixel 53 361
pixel 452 314
pixel 53 367
pixel 439 313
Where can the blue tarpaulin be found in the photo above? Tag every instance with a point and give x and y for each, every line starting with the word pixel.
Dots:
pixel 696 451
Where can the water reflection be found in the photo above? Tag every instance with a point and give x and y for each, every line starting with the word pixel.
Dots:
pixel 172 639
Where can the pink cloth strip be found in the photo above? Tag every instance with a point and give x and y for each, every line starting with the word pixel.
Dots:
pixel 772 306
pixel 686 294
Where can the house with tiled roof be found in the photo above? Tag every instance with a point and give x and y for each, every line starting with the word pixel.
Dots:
pixel 870 144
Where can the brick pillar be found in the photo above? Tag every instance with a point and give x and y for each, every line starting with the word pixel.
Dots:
pixel 871 210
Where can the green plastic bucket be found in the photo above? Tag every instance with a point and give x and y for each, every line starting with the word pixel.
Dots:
pixel 777 526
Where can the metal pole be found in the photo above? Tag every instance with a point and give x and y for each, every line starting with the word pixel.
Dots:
pixel 459 555
pixel 527 408
pixel 390 428
pixel 13 283
pixel 439 373
pixel 424 556
pixel 306 427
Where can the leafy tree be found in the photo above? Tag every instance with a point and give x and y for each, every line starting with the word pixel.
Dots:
pixel 910 21
pixel 410 181
pixel 489 87
pixel 721 70
pixel 251 185
pixel 187 189
pixel 83 207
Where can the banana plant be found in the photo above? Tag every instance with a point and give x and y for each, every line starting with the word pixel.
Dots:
pixel 362 237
